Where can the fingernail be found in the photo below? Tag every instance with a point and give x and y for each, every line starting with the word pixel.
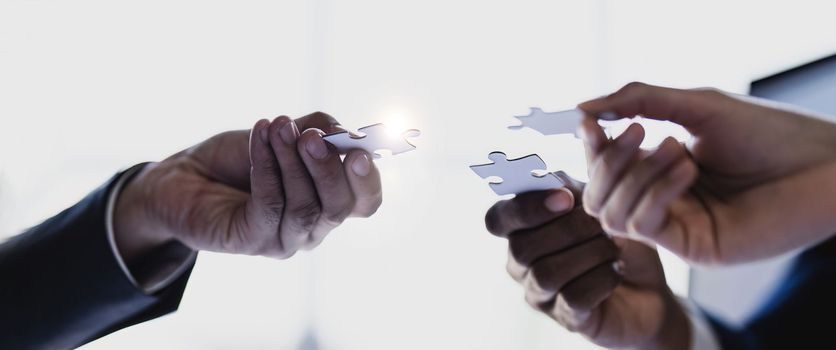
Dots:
pixel 362 165
pixel 316 147
pixel 558 201
pixel 288 133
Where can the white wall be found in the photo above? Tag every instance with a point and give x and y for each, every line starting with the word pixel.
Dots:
pixel 88 87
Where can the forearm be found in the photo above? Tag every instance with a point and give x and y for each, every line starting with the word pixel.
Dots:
pixel 62 286
pixel 794 212
pixel 133 235
pixel 151 258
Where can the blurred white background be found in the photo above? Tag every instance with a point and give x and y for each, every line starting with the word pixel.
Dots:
pixel 88 87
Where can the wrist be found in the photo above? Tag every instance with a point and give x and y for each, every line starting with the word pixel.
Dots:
pixel 136 232
pixel 675 332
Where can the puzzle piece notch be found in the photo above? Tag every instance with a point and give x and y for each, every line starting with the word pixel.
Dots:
pixel 372 139
pixel 517 174
pixel 551 123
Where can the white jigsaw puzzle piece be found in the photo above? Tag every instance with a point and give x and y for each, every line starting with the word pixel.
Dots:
pixel 554 123
pixel 517 174
pixel 373 138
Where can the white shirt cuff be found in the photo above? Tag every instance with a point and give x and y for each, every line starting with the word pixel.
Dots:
pixel 702 336
pixel 167 273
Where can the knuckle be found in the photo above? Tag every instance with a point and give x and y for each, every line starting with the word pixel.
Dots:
pixel 633 85
pixel 322 116
pixel 369 208
pixel 537 300
pixel 296 174
pixel 266 167
pixel 492 220
pixel 635 226
pixel 584 296
pixel 607 226
pixel 273 211
pixel 520 250
pixel 541 274
pixel 501 218
pixel 608 221
pixel 532 301
pixel 589 207
pixel 335 217
pixel 574 298
pixel 306 215
pixel 510 269
pixel 710 92
pixel 284 254
pixel 311 243
pixel 588 201
pixel 515 249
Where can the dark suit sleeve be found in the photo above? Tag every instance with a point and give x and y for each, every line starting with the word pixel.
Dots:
pixel 61 285
pixel 729 337
pixel 799 313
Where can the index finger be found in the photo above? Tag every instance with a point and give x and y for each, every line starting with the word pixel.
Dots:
pixel 319 120
pixel 594 139
pixel 528 210
pixel 689 108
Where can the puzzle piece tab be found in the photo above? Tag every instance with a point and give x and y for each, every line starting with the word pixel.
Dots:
pixel 517 174
pixel 554 123
pixel 373 138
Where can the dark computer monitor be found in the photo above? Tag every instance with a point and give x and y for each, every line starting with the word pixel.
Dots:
pixel 811 86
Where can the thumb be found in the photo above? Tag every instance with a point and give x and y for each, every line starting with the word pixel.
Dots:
pixel 688 108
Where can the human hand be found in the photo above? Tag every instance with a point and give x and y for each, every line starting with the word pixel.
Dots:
pixel 612 291
pixel 267 191
pixel 754 181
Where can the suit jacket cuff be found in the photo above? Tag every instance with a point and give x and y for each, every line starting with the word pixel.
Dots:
pixel 62 286
pixel 164 268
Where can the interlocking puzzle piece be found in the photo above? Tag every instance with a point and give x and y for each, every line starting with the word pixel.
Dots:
pixel 554 123
pixel 517 174
pixel 372 139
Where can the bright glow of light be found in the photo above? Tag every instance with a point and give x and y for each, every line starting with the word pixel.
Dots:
pixel 397 121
